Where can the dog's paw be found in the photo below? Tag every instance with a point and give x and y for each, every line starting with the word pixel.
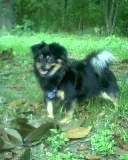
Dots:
pixel 65 120
pixel 51 116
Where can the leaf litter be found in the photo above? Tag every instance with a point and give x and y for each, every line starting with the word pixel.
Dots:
pixel 20 136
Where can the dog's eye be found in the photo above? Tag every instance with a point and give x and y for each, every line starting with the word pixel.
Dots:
pixel 41 57
pixel 50 59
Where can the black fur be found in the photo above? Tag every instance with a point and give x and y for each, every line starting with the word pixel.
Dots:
pixel 77 79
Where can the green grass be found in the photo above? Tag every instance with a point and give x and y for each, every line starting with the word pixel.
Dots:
pixel 77 45
pixel 21 93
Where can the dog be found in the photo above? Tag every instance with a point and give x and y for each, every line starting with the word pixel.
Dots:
pixel 73 80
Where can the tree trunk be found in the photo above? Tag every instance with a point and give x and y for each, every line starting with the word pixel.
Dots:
pixel 110 8
pixel 6 15
pixel 64 14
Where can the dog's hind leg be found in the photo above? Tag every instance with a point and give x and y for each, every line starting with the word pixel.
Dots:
pixel 111 97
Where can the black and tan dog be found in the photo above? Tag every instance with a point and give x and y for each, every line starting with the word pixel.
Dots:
pixel 73 80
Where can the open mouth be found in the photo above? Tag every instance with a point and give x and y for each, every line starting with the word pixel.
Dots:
pixel 49 70
pixel 43 72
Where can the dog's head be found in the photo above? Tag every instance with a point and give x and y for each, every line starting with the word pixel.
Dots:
pixel 49 58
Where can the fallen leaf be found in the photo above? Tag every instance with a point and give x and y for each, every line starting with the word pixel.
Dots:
pixel 123 145
pixel 71 125
pixel 16 103
pixel 13 136
pixel 23 126
pixel 92 157
pixel 6 54
pixel 9 138
pixel 37 134
pixel 6 144
pixel 83 147
pixel 79 132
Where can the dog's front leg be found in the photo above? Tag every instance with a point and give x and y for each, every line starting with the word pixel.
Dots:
pixel 49 105
pixel 68 117
pixel 69 113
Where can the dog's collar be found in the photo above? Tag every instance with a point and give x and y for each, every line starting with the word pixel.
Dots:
pixel 52 93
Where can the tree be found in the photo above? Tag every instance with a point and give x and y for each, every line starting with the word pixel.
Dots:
pixel 7 17
pixel 106 16
pixel 110 8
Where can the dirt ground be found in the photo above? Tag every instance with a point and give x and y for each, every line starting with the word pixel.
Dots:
pixel 21 113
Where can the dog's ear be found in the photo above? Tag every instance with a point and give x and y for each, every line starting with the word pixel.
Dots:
pixel 43 43
pixel 37 48
pixel 58 51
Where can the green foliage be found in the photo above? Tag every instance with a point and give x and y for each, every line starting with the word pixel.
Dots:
pixel 102 141
pixel 123 157
pixel 77 45
pixel 70 15
pixel 64 156
pixel 57 141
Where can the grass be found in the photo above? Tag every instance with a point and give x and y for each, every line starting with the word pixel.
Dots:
pixel 77 45
pixel 19 92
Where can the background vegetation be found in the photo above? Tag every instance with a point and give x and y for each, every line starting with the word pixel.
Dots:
pixel 82 26
pixel 97 16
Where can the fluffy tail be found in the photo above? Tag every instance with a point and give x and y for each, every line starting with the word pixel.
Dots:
pixel 101 60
